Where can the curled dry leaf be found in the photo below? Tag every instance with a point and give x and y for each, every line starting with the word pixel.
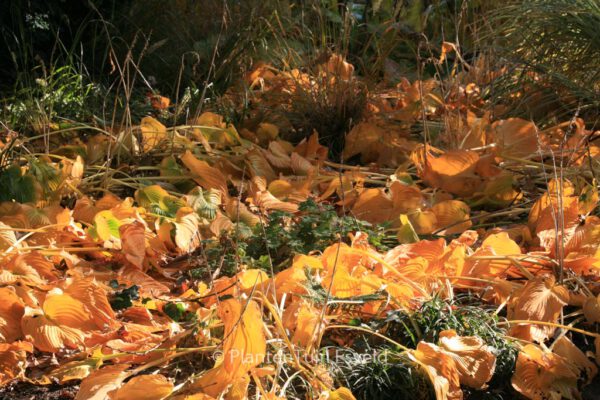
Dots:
pixel 144 387
pixel 544 375
pixel 13 360
pixel 153 132
pixel 133 242
pixel 541 299
pixel 452 171
pixel 11 312
pixel 591 309
pixel 100 383
pixel 441 369
pixel 566 349
pixel 475 361
pixel 206 176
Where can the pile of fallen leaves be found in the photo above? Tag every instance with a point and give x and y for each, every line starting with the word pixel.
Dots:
pixel 108 277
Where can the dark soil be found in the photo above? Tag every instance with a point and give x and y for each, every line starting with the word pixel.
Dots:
pixel 28 391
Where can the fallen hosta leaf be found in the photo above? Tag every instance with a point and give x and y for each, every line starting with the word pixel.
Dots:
pixel 94 297
pixel 337 66
pixel 441 369
pixel 566 349
pixel 541 299
pixel 556 229
pixel 153 132
pixel 591 309
pixel 375 143
pixel 205 203
pixel 133 242
pixel 544 375
pixel 452 171
pixel 157 200
pixel 498 247
pixel 244 346
pixel 206 176
pixel 8 238
pixel 265 200
pixel 100 383
pixel 212 128
pixel 47 335
pixel 452 216
pixel 74 370
pixel 342 393
pixel 474 360
pixel 144 387
pixel 515 137
pixel 13 360
pixel 301 319
pixel 11 312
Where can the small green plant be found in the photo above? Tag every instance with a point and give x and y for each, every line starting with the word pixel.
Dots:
pixel 380 374
pixel 474 319
pixel 314 227
pixel 59 94
pixel 123 298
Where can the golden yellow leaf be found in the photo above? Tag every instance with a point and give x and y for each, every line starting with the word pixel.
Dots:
pixel 13 360
pixel 206 176
pixel 566 349
pixel 541 299
pixel 475 361
pixel 153 132
pixel 47 335
pixel 144 387
pixel 100 383
pixel 452 216
pixel 244 346
pixel 540 375
pixel 342 393
pixel 441 369
pixel 11 312
pixel 133 242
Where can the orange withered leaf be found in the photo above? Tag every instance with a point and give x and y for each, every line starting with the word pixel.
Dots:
pixel 144 387
pixel 206 176
pixel 541 299
pixel 515 137
pixel 13 360
pixel 245 345
pixel 544 375
pixel 591 309
pixel 11 312
pixel 100 383
pixel 475 361
pixel 153 132
pixel 301 319
pixel 441 369
pixel 95 298
pixel 133 242
pixel 47 335
pixel 452 216
pixel 453 171
pixel 566 349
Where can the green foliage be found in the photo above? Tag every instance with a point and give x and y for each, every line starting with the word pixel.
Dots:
pixel 473 319
pixel 224 255
pixel 553 50
pixel 380 374
pixel 60 93
pixel 123 299
pixel 16 186
pixel 315 227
